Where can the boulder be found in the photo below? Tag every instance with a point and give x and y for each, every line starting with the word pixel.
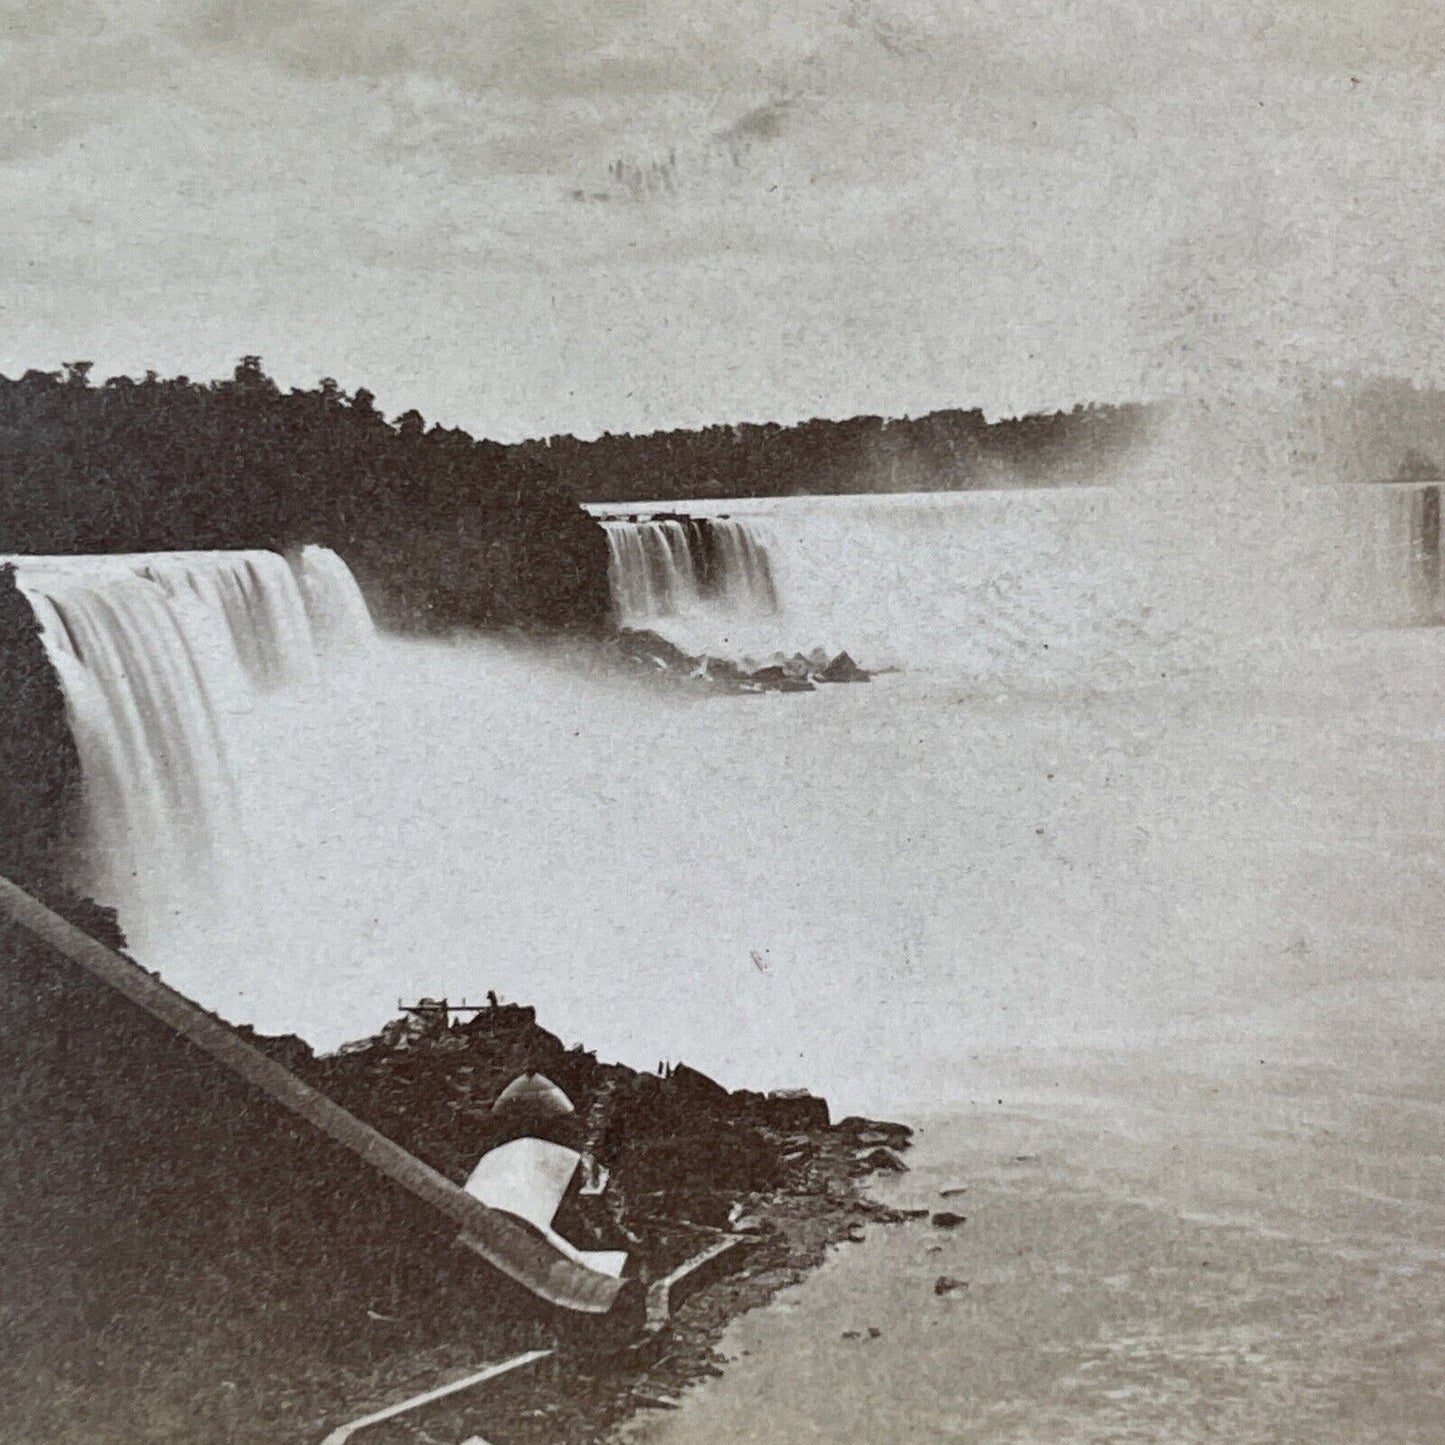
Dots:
pixel 719 669
pixel 876 1160
pixel 791 1111
pixel 650 647
pixel 288 1049
pixel 946 1219
pixel 868 1132
pixel 505 1018
pixel 843 669
pixel 778 678
pixel 689 1085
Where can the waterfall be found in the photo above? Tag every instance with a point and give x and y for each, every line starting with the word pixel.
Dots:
pixel 337 610
pixel 742 570
pixel 1103 583
pixel 663 568
pixel 652 570
pixel 160 656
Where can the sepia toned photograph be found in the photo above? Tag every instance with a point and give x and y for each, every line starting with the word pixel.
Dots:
pixel 722 724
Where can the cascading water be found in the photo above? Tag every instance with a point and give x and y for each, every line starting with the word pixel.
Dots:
pixel 669 567
pixel 160 656
pixel 1105 584
pixel 742 572
pixel 339 615
pixel 653 572
pixel 690 576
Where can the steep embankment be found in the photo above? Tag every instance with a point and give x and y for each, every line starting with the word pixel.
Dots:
pixel 39 767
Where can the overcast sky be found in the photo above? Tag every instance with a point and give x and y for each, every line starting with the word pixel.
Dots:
pixel 543 215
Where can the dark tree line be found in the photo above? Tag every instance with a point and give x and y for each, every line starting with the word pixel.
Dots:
pixel 443 528
pixel 944 451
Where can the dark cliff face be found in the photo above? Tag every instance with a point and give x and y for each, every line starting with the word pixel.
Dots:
pixel 529 558
pixel 39 768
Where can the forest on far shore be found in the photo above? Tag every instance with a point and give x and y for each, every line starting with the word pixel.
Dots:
pixel 943 451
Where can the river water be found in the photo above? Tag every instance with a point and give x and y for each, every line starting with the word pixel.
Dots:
pixel 1138 785
pixel 1128 880
pixel 1241 1239
pixel 1178 1017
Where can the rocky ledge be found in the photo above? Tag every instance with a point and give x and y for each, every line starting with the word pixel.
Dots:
pixel 802 672
pixel 688 1164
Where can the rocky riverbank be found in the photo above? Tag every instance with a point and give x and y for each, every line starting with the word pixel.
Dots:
pixel 688 1164
pixel 190 1263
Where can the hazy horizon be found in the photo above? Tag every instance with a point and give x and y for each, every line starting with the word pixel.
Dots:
pixel 534 220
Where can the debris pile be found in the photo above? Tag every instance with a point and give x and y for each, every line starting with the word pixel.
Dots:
pixel 684 1157
pixel 686 1164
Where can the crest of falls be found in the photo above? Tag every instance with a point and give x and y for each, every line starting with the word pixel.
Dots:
pixel 1097 585
pixel 161 658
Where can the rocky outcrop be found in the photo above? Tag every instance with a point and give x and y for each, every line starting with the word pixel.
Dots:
pixel 843 669
pixel 793 1110
pixel 283 1288
pixel 867 1133
pixel 802 672
pixel 682 1151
